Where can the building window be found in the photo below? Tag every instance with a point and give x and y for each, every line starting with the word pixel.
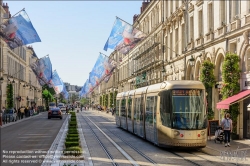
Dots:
pixel 183 37
pixel 191 28
pixel 222 12
pixel 248 7
pixel 210 17
pixel 176 42
pixel 171 45
pixel 200 16
pixel 235 10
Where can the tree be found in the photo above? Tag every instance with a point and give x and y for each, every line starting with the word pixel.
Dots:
pixel 84 101
pixel 208 79
pixel 231 85
pixel 47 96
pixel 10 102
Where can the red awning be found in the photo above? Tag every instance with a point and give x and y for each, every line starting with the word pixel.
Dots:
pixel 233 99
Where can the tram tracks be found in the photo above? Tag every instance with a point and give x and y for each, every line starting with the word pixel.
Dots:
pixel 187 156
pixel 104 147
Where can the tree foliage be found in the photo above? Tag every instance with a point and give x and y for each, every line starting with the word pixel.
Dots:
pixel 231 85
pixel 208 79
pixel 10 102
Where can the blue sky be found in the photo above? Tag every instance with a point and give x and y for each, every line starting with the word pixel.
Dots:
pixel 74 32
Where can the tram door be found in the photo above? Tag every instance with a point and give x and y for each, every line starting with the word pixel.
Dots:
pixel 117 113
pixel 123 114
pixel 150 119
pixel 129 114
pixel 137 104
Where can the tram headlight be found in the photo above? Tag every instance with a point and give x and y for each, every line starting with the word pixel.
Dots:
pixel 176 133
pixel 202 133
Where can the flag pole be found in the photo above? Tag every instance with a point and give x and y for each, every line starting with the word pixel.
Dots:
pixel 17 12
pixel 103 54
pixel 123 20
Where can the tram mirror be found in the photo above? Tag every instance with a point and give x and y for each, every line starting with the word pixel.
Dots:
pixel 248 107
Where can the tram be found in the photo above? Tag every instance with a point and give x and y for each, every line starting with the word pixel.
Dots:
pixel 168 114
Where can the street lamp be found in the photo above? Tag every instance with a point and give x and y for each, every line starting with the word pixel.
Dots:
pixel 191 61
pixel 1 81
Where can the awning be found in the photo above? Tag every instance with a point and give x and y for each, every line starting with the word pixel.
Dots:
pixel 233 99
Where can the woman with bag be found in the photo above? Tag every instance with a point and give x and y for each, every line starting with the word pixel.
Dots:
pixel 227 126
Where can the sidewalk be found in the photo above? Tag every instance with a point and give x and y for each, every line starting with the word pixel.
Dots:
pixel 20 120
pixel 235 144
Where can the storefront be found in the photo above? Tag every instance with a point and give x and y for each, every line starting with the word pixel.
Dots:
pixel 244 120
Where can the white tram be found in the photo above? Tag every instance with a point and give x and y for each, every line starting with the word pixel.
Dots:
pixel 169 114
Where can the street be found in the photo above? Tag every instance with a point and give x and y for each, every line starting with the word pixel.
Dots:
pixel 28 142
pixel 31 135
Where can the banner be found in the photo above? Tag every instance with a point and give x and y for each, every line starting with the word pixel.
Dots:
pixel 43 70
pixel 65 92
pixel 56 82
pixel 19 31
pixel 97 72
pixel 102 70
pixel 123 37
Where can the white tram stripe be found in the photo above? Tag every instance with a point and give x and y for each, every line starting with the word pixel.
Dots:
pixel 117 146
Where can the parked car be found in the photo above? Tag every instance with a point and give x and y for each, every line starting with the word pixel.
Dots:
pixel 10 115
pixel 55 113
pixel 62 107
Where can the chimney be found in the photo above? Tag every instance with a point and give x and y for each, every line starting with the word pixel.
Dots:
pixel 6 7
pixel 144 5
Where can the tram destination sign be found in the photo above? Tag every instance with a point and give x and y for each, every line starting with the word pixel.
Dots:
pixel 186 92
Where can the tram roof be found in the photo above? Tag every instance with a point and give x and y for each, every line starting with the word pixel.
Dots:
pixel 177 84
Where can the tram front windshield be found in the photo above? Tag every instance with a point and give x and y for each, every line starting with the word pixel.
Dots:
pixel 188 109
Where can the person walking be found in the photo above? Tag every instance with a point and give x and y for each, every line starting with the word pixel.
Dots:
pixel 22 112
pixel 19 113
pixel 227 126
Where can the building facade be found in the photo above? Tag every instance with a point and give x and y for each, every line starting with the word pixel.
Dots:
pixel 15 69
pixel 179 32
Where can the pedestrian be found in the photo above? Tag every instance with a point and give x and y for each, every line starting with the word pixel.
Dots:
pixel 26 112
pixel 227 126
pixel 19 113
pixel 22 112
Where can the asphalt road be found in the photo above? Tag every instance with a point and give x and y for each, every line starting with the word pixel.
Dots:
pixel 26 142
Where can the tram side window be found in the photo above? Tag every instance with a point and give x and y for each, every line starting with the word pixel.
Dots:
pixel 129 107
pixel 123 108
pixel 155 106
pixel 165 110
pixel 117 107
pixel 137 109
pixel 141 109
pixel 149 109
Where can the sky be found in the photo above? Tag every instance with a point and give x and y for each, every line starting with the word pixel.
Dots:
pixel 73 33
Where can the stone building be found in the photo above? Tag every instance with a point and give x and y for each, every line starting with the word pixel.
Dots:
pixel 15 70
pixel 180 36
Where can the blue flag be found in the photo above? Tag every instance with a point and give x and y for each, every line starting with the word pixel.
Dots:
pixel 56 82
pixel 19 31
pixel 43 70
pixel 123 37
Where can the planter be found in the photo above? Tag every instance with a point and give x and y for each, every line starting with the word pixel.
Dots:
pixel 234 136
